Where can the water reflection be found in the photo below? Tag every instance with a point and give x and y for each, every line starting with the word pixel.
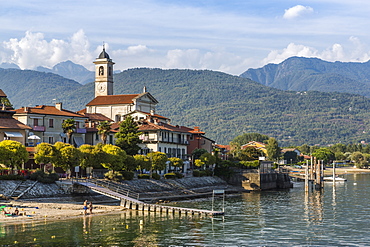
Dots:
pixel 314 207
pixel 338 215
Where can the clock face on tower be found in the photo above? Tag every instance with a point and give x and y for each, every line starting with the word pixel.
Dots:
pixel 101 87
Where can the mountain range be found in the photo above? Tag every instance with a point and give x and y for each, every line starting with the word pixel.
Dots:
pixel 222 105
pixel 313 74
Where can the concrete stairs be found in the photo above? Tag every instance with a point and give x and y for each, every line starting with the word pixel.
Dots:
pixel 21 189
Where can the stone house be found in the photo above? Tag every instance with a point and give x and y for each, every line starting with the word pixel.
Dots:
pixel 46 123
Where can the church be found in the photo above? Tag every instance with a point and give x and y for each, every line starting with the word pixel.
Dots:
pixel 113 106
pixel 157 132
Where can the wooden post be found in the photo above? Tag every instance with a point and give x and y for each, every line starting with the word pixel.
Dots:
pixel 306 188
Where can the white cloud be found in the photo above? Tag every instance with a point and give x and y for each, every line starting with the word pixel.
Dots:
pixel 355 51
pixel 297 11
pixel 34 50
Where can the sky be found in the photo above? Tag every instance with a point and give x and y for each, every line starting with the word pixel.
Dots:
pixel 221 35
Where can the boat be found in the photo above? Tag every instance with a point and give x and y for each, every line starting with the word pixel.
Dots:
pixel 337 179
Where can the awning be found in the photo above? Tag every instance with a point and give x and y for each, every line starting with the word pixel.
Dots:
pixel 78 140
pixel 13 134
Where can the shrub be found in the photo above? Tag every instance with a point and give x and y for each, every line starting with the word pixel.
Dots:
pixel 12 177
pixel 196 173
pixel 179 175
pixel 42 177
pixel 128 175
pixel 208 173
pixel 156 176
pixel 115 176
pixel 169 175
pixel 143 176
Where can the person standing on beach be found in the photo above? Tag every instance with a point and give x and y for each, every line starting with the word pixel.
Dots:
pixel 85 207
pixel 90 207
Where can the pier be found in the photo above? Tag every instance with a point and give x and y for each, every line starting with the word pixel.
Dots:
pixel 130 200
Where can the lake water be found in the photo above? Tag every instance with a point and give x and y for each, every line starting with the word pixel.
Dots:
pixel 339 216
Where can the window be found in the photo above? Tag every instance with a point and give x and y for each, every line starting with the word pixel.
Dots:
pixel 96 136
pixel 160 149
pixel 51 123
pixel 51 140
pixel 118 118
pixel 77 125
pixel 35 122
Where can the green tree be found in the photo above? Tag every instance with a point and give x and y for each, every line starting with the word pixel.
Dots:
pixel 199 163
pixel 69 127
pixel 115 158
pixel 198 152
pixel 130 163
pixel 273 149
pixel 45 153
pixel 339 156
pixel 127 137
pixel 5 101
pixel 90 156
pixel 324 154
pixel 68 157
pixel 142 162
pixel 176 162
pixel 158 160
pixel 305 149
pixel 208 159
pixel 13 154
pixel 359 159
pixel 249 154
pixel 104 129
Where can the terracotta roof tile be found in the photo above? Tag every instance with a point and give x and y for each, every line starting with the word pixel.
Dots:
pixel 149 114
pixel 160 126
pixel 8 122
pixel 97 117
pixel 113 99
pixel 2 94
pixel 47 110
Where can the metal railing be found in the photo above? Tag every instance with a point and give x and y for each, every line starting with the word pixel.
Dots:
pixel 111 185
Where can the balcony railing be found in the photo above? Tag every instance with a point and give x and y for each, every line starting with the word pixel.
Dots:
pixel 38 128
pixel 81 131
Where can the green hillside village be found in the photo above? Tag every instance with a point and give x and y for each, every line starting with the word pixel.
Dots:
pixel 119 142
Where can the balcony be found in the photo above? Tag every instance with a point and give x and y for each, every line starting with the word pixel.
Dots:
pixel 81 131
pixel 38 128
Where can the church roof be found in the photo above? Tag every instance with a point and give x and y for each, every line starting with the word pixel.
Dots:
pixel 103 54
pixel 119 99
pixel 113 99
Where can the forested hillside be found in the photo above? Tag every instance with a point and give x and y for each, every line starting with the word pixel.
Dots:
pixel 30 88
pixel 313 74
pixel 223 105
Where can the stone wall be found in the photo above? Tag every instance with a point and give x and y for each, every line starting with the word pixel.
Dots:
pixel 252 180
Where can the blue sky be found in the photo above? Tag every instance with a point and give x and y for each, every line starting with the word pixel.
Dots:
pixel 229 36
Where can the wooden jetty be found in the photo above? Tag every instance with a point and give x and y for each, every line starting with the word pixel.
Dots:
pixel 129 202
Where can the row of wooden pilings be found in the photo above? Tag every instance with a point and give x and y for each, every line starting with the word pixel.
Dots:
pixel 314 174
pixel 140 206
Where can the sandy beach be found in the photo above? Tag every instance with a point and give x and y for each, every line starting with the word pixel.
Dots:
pixel 41 209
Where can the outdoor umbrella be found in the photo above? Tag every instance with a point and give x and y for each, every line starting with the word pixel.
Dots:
pixel 34 137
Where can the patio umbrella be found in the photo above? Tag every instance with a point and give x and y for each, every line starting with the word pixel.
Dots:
pixel 34 137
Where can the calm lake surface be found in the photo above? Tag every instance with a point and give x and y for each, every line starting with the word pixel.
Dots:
pixel 339 216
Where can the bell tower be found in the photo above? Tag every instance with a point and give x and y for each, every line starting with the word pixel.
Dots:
pixel 103 75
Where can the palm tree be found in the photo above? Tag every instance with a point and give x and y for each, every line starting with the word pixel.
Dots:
pixel 104 130
pixel 69 127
